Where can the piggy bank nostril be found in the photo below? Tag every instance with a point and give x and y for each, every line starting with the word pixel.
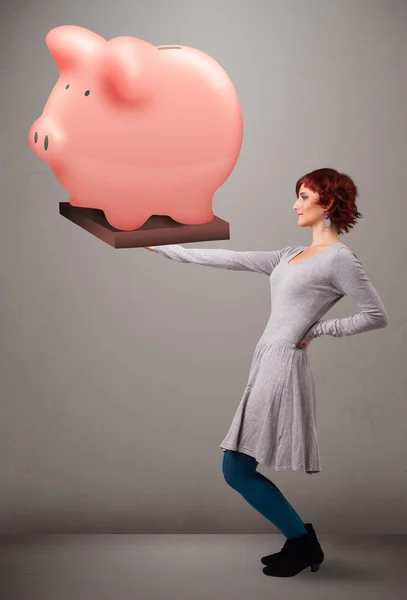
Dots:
pixel 35 137
pixel 46 142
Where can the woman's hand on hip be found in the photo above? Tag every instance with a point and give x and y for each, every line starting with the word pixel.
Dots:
pixel 303 344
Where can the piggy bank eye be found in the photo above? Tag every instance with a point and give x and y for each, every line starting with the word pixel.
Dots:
pixel 67 86
pixel 87 92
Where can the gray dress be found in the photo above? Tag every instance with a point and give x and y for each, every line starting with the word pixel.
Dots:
pixel 275 421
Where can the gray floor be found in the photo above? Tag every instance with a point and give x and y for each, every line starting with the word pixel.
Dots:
pixel 193 567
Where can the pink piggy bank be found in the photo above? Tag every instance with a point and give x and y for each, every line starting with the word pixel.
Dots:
pixel 135 129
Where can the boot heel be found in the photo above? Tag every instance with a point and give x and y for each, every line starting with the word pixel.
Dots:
pixel 315 567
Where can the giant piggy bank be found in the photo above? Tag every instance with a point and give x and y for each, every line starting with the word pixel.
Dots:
pixel 135 129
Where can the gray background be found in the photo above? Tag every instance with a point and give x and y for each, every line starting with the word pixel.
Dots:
pixel 121 370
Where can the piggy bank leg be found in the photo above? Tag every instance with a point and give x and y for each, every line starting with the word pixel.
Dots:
pixel 192 210
pixel 125 218
pixel 75 201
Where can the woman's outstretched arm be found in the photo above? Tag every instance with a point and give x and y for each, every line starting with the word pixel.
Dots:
pixel 258 261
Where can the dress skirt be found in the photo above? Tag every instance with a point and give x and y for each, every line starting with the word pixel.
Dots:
pixel 275 421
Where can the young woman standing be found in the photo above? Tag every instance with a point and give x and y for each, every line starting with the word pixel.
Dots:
pixel 275 421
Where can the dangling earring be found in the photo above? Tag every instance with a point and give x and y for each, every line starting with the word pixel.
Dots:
pixel 327 220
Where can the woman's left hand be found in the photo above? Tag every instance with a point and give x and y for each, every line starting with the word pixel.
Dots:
pixel 303 344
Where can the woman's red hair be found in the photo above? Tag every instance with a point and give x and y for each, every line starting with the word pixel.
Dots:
pixel 337 187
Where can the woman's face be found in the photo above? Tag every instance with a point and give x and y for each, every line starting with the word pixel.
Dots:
pixel 308 208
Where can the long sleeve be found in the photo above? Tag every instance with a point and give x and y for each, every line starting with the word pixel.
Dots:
pixel 258 261
pixel 349 278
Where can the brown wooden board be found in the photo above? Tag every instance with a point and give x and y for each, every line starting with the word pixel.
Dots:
pixel 157 231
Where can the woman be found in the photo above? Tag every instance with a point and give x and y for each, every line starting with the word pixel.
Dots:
pixel 275 422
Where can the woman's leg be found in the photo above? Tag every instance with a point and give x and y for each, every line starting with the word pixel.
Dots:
pixel 262 494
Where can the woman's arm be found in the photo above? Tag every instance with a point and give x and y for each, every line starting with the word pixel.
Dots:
pixel 349 278
pixel 259 261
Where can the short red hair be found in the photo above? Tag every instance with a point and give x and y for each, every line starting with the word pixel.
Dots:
pixel 339 187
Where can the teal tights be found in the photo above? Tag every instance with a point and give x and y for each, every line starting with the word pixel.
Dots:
pixel 240 473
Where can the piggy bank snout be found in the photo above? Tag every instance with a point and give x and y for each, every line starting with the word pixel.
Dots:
pixel 43 138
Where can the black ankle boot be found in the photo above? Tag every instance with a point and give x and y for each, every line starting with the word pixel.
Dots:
pixel 297 554
pixel 271 558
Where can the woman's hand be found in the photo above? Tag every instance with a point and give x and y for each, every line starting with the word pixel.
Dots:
pixel 149 248
pixel 303 344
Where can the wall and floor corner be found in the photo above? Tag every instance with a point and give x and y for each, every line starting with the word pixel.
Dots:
pixel 120 370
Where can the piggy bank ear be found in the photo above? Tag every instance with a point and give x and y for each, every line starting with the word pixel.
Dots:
pixel 70 45
pixel 130 68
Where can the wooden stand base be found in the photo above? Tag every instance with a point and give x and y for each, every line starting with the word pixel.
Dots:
pixel 157 231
